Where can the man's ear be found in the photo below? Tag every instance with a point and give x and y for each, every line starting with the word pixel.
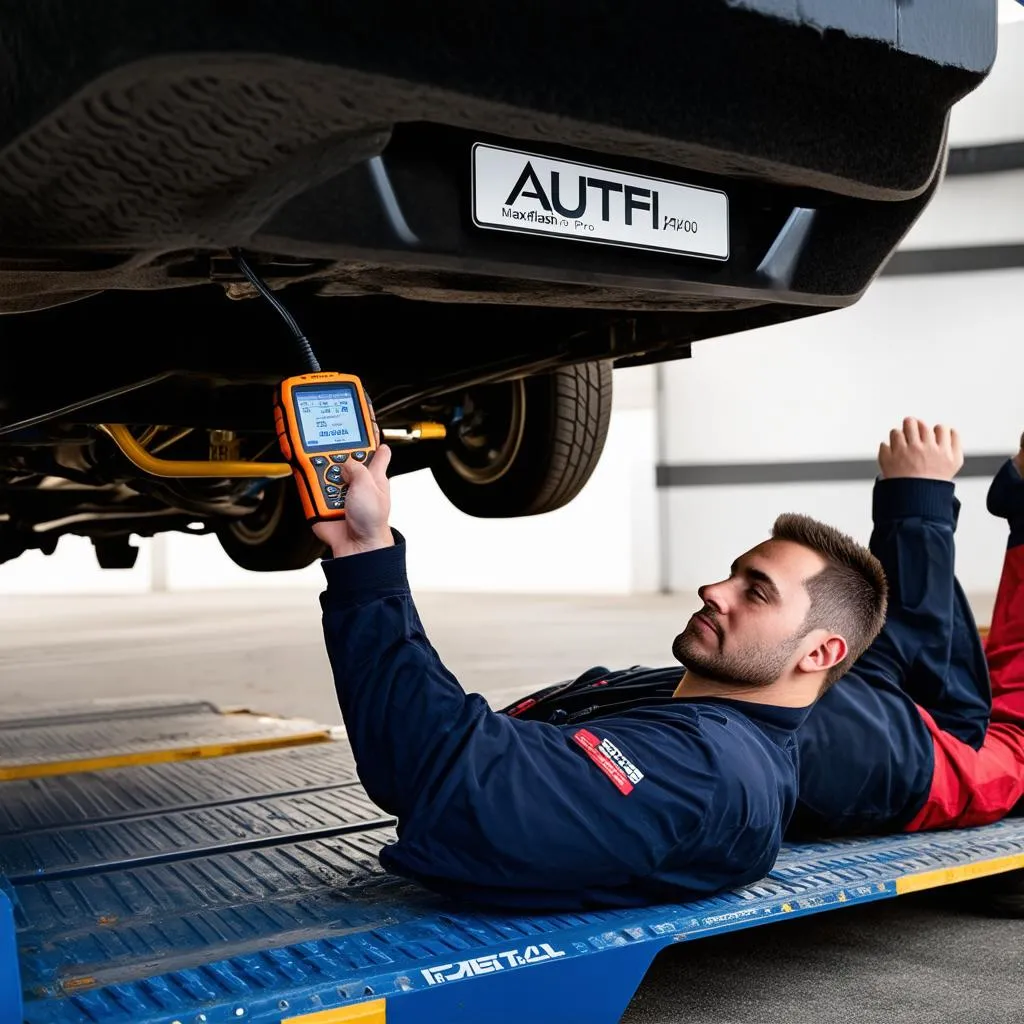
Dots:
pixel 828 653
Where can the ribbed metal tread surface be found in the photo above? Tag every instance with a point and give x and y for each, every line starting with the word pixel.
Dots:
pixel 159 838
pixel 130 924
pixel 32 805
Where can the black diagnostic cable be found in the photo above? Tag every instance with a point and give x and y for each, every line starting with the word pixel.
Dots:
pixel 307 350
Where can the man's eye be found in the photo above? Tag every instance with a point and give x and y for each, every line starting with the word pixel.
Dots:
pixel 757 595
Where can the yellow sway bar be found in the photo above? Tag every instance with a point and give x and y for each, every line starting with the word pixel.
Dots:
pixel 135 452
pixel 154 466
pixel 424 431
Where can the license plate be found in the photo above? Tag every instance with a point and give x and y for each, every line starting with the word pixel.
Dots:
pixel 533 194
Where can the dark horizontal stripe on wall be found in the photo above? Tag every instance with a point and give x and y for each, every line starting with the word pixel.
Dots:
pixel 1001 156
pixel 799 472
pixel 954 261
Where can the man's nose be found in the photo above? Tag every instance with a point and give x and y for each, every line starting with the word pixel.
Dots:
pixel 714 594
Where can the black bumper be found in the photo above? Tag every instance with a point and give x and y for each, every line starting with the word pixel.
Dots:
pixel 299 130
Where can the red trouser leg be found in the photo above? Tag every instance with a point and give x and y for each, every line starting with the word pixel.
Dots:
pixel 1004 648
pixel 977 787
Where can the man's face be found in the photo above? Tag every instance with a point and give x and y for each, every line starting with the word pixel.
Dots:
pixel 750 628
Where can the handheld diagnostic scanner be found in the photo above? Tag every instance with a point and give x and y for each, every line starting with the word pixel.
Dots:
pixel 323 419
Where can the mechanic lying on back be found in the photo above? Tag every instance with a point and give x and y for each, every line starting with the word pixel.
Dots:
pixel 595 795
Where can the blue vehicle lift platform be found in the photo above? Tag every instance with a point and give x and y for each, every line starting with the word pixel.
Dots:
pixel 174 864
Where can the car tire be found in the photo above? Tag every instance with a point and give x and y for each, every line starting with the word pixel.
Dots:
pixel 274 538
pixel 527 446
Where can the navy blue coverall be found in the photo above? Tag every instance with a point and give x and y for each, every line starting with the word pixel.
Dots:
pixel 624 798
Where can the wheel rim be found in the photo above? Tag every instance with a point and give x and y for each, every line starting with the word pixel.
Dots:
pixel 259 526
pixel 484 445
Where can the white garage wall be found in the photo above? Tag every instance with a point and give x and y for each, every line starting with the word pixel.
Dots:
pixel 944 347
pixel 72 570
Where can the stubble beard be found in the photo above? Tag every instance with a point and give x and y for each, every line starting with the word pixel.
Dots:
pixel 756 666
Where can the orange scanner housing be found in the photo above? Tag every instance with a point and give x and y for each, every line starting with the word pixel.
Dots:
pixel 323 419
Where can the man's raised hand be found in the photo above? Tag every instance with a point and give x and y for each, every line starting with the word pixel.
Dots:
pixel 917 450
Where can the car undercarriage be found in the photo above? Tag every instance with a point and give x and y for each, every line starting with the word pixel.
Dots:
pixel 336 149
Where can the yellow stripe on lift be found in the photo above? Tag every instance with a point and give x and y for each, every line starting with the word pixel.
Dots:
pixel 193 753
pixel 372 1012
pixel 960 873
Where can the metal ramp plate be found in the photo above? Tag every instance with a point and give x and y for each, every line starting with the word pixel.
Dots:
pixel 126 793
pixel 92 739
pixel 267 904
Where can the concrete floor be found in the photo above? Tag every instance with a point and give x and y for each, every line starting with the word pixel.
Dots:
pixel 928 958
pixel 264 649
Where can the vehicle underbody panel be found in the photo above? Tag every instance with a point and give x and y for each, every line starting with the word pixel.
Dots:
pixel 137 146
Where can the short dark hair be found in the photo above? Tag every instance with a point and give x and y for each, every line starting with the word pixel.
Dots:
pixel 848 596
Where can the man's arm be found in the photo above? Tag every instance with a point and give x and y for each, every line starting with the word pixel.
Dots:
pixel 403 710
pixel 915 513
pixel 912 536
pixel 406 715
pixel 929 644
